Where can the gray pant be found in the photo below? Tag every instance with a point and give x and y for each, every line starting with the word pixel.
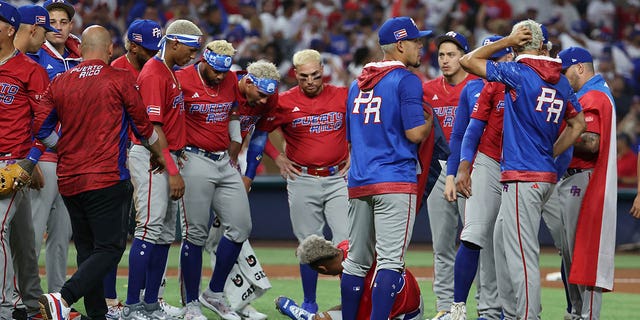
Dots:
pixel 314 200
pixel 50 215
pixel 564 205
pixel 517 265
pixel 213 184
pixel 443 220
pixel 380 227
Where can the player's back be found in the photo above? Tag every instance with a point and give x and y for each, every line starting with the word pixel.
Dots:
pixel 381 153
pixel 537 98
pixel 93 141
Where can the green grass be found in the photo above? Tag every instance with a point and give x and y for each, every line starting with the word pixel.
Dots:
pixel 615 306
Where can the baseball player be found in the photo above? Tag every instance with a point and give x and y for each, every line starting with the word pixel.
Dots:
pixel 141 42
pixel 25 241
pixel 96 190
pixel 311 118
pixel 326 258
pixel 481 208
pixel 443 94
pixel 531 141
pixel 385 122
pixel 155 195
pixel 585 197
pixel 212 182
pixel 59 53
pixel 23 82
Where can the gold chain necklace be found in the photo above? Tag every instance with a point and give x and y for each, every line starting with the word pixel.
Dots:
pixel 175 81
pixel 13 54
pixel 204 85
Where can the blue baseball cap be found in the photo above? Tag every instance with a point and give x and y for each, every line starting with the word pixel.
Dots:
pixel 62 4
pixel 145 33
pixel 574 55
pixel 10 14
pixel 32 14
pixel 499 54
pixel 452 36
pixel 400 28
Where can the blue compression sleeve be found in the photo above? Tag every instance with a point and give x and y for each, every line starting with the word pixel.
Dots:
pixel 471 139
pixel 468 98
pixel 254 152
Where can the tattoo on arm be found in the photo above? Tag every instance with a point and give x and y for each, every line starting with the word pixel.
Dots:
pixel 589 142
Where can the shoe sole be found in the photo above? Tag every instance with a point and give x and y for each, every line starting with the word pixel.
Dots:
pixel 214 309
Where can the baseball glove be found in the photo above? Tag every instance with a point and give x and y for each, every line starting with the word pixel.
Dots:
pixel 15 176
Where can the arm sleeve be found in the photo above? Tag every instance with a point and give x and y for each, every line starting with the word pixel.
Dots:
pixel 471 139
pixel 411 102
pixel 254 152
pixel 508 73
pixel 141 127
pixel 468 98
pixel 153 92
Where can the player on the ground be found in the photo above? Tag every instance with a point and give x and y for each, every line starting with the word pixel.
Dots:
pixel 326 258
pixel 156 195
pixel 93 177
pixel 212 182
pixel 385 124
pixel 539 99
pixel 311 117
pixel 443 95
pixel 24 82
pixel 141 43
pixel 585 197
pixel 483 202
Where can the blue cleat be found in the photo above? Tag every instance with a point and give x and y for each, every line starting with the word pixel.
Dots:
pixel 290 309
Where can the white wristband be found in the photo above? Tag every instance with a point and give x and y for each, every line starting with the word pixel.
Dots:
pixel 234 131
pixel 51 140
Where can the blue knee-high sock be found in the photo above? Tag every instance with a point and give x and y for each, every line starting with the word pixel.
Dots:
pixel 351 288
pixel 139 256
pixel 191 269
pixel 464 269
pixel 109 284
pixel 155 273
pixel 385 289
pixel 226 257
pixel 309 282
pixel 563 272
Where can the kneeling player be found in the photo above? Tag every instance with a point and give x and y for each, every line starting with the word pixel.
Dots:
pixel 325 258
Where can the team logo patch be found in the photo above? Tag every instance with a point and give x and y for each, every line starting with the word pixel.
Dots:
pixel 136 37
pixel 399 34
pixel 237 280
pixel 153 110
pixel 41 20
pixel 251 260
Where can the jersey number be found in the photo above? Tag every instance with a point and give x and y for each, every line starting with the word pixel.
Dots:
pixel 371 103
pixel 554 106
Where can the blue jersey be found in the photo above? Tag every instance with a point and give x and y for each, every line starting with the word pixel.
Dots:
pixel 55 63
pixel 537 99
pixel 468 98
pixel 383 160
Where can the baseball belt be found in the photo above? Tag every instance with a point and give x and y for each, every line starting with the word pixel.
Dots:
pixel 321 171
pixel 215 156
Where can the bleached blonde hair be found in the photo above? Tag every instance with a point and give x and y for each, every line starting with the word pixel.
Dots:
pixel 306 56
pixel 182 26
pixel 264 69
pixel 221 47
pixel 315 248
pixel 536 35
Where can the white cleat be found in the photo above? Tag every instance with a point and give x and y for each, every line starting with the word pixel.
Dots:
pixel 458 311
pixel 193 311
pixel 217 302
pixel 250 313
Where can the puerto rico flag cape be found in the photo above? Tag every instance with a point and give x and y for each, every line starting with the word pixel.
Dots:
pixel 595 241
pixel 425 153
